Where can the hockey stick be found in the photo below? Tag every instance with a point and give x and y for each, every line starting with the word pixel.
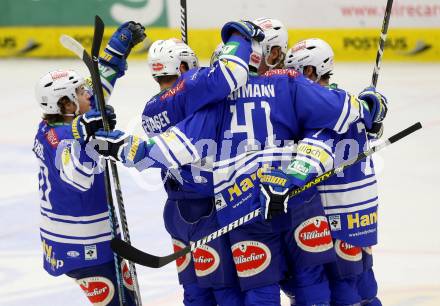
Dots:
pixel 383 37
pixel 379 54
pixel 92 65
pixel 74 46
pixel 99 25
pixel 127 251
pixel 183 22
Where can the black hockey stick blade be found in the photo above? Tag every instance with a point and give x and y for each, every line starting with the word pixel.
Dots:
pixel 97 37
pixel 405 132
pixel 131 253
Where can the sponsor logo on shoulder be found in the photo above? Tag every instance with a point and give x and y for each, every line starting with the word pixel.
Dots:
pixel 52 138
pixel 183 261
pixel 206 260
pixel 73 254
pixel 313 235
pixel 289 72
pixel 347 251
pixel 99 290
pixel 250 257
pixel 90 252
pixel 126 275
pixel 173 91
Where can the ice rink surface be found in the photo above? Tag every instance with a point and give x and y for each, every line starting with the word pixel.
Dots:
pixel 407 259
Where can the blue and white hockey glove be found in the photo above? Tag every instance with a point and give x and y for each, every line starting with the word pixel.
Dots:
pixel 110 145
pixel 246 28
pixel 377 103
pixel 85 126
pixel 274 192
pixel 122 41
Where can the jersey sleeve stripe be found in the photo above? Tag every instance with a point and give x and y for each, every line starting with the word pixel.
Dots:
pixel 232 83
pixel 166 153
pixel 356 208
pixel 349 197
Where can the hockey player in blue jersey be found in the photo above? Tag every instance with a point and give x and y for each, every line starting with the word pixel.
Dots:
pixel 350 199
pixel 75 230
pixel 305 257
pixel 208 277
pixel 253 129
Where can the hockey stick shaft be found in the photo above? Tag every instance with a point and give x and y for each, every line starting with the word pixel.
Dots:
pixel 99 26
pixel 183 21
pixel 382 39
pixel 128 251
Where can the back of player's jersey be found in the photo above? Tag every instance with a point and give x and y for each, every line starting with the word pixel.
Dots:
pixel 74 228
pixel 259 127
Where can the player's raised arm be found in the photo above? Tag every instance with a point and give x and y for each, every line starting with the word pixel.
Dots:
pixel 319 107
pixel 113 61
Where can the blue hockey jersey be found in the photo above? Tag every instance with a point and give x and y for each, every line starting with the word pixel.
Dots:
pixel 173 105
pixel 74 229
pixel 256 127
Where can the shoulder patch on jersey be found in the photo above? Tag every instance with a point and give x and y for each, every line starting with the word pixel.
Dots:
pixel 289 72
pixel 99 290
pixel 173 91
pixel 206 260
pixel 313 235
pixel 347 251
pixel 183 261
pixel 250 257
pixel 52 138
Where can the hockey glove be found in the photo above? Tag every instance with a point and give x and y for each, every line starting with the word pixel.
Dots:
pixel 246 28
pixel 377 103
pixel 122 41
pixel 86 125
pixel 110 145
pixel 274 193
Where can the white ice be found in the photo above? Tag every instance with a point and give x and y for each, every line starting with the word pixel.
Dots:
pixel 407 259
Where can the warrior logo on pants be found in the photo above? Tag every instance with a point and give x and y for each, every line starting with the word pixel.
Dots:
pixel 250 257
pixel 99 290
pixel 206 260
pixel 183 261
pixel 313 235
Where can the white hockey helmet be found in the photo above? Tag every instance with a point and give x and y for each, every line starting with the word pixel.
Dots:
pixel 310 52
pixel 275 36
pixel 165 57
pixel 55 85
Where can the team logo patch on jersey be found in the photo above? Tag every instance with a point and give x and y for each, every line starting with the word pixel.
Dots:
pixel 220 202
pixel 52 138
pixel 335 222
pixel 126 275
pixel 250 257
pixel 183 261
pixel 206 260
pixel 313 235
pixel 99 290
pixel 347 251
pixel 173 91
pixel 90 252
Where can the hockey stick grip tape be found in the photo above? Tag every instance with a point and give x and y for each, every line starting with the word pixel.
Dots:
pixel 405 132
